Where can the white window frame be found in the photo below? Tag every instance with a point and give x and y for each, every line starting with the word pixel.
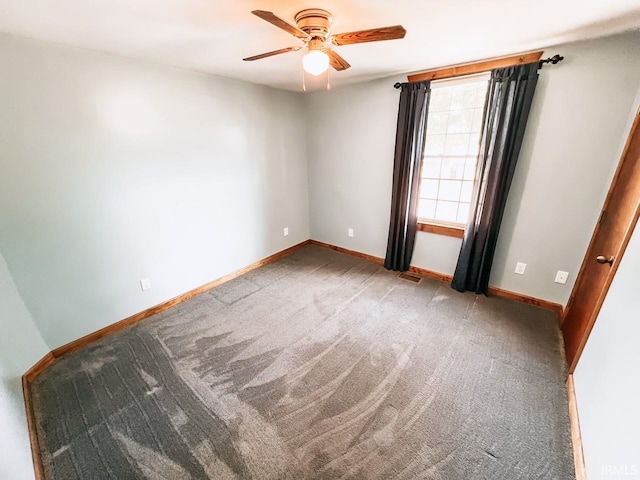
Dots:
pixel 435 225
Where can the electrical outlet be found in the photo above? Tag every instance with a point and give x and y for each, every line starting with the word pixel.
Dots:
pixel 350 232
pixel 561 277
pixel 520 268
pixel 286 231
pixel 145 284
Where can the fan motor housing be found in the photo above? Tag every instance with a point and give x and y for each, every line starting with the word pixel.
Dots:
pixel 315 22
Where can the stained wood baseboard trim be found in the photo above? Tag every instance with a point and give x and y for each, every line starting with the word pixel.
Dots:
pixel 27 378
pixel 576 436
pixel 56 353
pixel 518 297
pixel 353 253
pixel 133 319
pixel 75 345
pixel 423 272
pixel 39 367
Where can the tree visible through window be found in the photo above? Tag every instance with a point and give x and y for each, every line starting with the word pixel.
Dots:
pixel 454 125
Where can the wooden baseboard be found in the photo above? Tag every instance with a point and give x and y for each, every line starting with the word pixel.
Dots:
pixel 353 253
pixel 38 368
pixel 423 272
pixel 27 378
pixel 52 356
pixel 518 297
pixel 133 319
pixel 75 345
pixel 576 436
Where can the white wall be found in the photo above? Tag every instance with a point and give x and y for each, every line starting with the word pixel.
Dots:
pixel 565 167
pixel 21 346
pixel 114 170
pixel 606 378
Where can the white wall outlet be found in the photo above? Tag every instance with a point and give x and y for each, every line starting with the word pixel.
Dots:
pixel 350 232
pixel 286 231
pixel 561 277
pixel 520 268
pixel 145 284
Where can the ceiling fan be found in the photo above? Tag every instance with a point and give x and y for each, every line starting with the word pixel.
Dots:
pixel 313 27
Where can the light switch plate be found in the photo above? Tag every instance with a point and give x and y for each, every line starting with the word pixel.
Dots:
pixel 520 268
pixel 145 284
pixel 561 277
pixel 350 232
pixel 286 231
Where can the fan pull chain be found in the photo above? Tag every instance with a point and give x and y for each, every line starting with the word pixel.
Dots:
pixel 304 84
pixel 328 79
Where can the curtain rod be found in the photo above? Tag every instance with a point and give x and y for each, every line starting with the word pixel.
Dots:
pixel 553 60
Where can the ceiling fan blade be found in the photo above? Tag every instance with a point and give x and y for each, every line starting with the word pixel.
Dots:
pixel 278 22
pixel 271 54
pixel 336 61
pixel 371 35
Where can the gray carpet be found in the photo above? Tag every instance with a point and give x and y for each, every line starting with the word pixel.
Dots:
pixel 319 365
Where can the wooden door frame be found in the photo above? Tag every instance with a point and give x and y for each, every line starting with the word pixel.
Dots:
pixel 634 135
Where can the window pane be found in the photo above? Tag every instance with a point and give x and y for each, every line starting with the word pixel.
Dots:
pixel 463 212
pixel 437 123
pixel 429 189
pixel 447 211
pixel 476 124
pixel 449 190
pixel 463 96
pixel 431 167
pixel 457 144
pixel 435 144
pixel 460 121
pixel 452 168
pixel 440 99
pixel 465 193
pixel 426 208
pixel 470 169
pixel 454 125
pixel 481 94
pixel 474 144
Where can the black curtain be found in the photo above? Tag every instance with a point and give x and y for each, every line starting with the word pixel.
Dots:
pixel 509 100
pixel 412 122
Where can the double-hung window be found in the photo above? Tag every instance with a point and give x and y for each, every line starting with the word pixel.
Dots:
pixel 454 126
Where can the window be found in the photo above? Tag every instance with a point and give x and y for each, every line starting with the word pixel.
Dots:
pixel 454 126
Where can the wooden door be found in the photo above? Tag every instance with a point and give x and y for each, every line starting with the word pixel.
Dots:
pixel 610 238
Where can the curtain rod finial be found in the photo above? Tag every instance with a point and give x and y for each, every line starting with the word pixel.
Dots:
pixel 554 60
pixel 397 85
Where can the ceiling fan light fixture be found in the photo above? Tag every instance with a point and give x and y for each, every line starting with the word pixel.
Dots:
pixel 315 62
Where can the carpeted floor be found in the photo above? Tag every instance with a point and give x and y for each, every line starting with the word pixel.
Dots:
pixel 319 365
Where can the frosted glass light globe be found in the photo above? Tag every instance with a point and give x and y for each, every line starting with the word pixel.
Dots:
pixel 315 62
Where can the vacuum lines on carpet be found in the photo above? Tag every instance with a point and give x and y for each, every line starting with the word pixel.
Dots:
pixel 319 365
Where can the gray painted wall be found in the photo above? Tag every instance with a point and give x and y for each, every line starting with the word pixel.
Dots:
pixel 21 346
pixel 115 170
pixel 565 167
pixel 606 380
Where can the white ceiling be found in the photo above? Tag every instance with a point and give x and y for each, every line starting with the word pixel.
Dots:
pixel 213 36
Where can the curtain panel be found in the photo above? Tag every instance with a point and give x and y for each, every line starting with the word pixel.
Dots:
pixel 410 135
pixel 509 100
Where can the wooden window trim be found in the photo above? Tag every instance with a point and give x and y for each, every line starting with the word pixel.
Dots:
pixel 439 229
pixel 476 67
